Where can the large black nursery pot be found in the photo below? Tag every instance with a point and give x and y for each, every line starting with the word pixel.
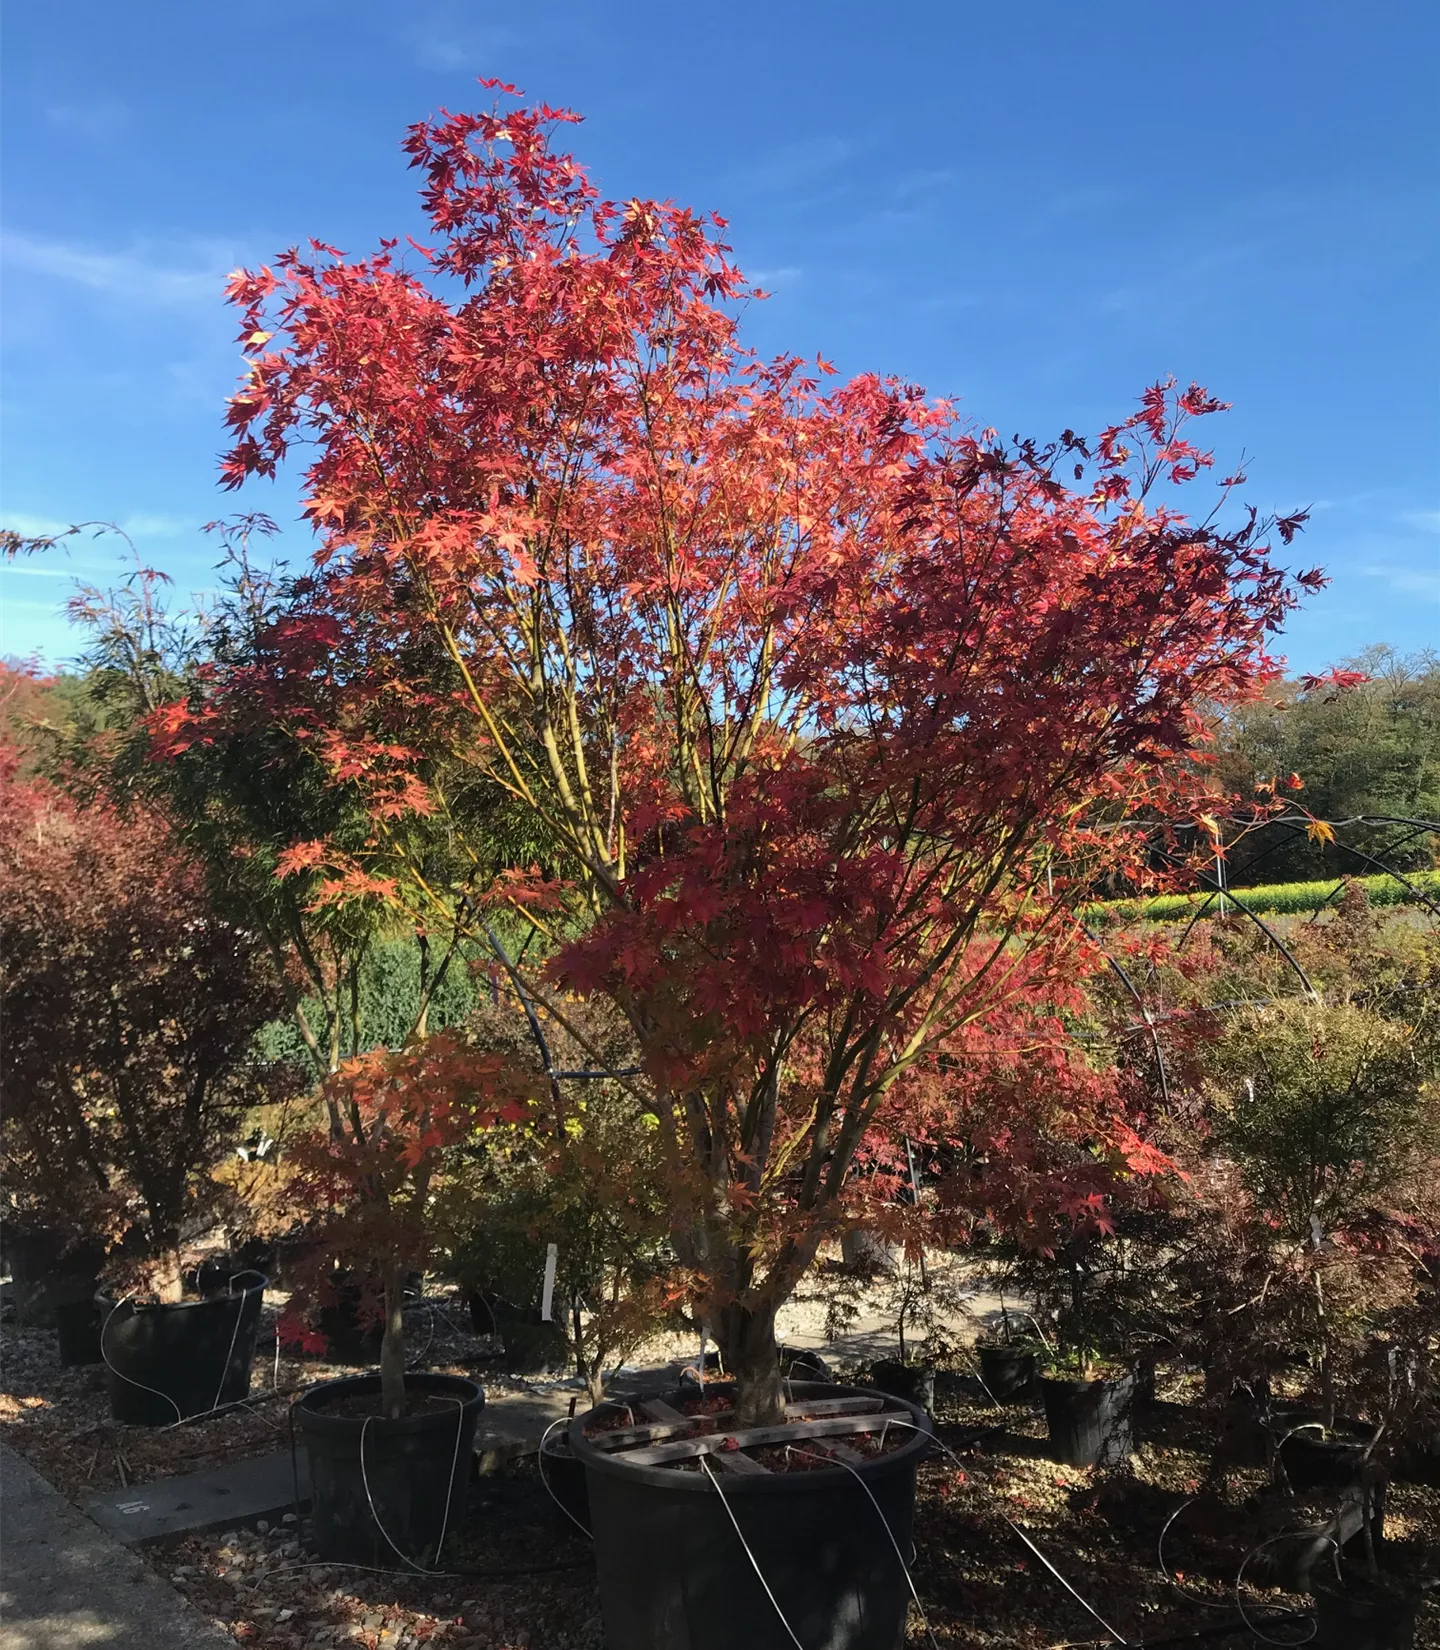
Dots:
pixel 1363 1615
pixel 534 1345
pixel 382 1491
pixel 1008 1372
pixel 1089 1421
pixel 167 1362
pixel 676 1557
pixel 48 1271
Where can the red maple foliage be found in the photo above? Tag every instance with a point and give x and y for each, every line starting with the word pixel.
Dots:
pixel 368 1189
pixel 129 1008
pixel 828 707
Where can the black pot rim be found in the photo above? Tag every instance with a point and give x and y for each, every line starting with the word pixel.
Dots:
pixel 103 1297
pixel 311 1416
pixel 1077 1384
pixel 777 1483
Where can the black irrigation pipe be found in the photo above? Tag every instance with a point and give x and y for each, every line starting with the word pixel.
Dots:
pixel 1221 1629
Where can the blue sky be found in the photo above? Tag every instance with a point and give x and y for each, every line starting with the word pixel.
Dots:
pixel 1038 210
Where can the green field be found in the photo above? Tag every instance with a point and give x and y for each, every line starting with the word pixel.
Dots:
pixel 1282 898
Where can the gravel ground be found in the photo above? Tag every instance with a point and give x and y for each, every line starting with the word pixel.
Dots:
pixel 981 1586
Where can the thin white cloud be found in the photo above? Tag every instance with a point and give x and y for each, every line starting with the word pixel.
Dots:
pixel 1428 521
pixel 770 278
pixel 795 165
pixel 180 277
pixel 96 122
pixel 475 51
pixel 1407 581
pixel 35 527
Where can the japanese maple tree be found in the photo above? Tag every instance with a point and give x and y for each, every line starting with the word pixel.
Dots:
pixel 129 1010
pixel 827 707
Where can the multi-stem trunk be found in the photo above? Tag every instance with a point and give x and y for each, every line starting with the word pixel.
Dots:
pixel 392 1347
pixel 752 1357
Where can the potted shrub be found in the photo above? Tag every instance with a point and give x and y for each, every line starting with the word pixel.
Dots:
pixel 916 1296
pixel 1009 1360
pixel 131 1010
pixel 590 1180
pixel 809 701
pixel 1086 1380
pixel 1089 1402
pixel 390 1453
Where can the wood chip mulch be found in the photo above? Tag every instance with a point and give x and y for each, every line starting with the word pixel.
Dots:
pixel 981 1586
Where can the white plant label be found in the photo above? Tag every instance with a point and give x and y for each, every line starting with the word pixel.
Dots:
pixel 547 1294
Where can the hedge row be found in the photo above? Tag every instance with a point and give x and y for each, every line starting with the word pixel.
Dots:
pixel 1284 898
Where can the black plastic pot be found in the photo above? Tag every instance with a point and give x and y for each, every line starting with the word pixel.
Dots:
pixel 78 1325
pixel 489 1310
pixel 1008 1373
pixel 675 1575
pixel 49 1270
pixel 414 1473
pixel 1363 1616
pixel 1089 1421
pixel 165 1363
pixel 908 1381
pixel 564 1477
pixel 534 1347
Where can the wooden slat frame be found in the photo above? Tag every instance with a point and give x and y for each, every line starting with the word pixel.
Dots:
pixel 662 1428
pixel 719 1443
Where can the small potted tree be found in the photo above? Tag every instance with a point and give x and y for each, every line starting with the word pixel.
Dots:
pixel 1009 1355
pixel 128 1066
pixel 390 1452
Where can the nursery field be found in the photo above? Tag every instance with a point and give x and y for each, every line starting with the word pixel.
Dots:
pixel 993 1514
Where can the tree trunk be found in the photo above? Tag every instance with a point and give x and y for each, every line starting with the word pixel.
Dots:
pixel 165 1277
pixel 392 1347
pixel 753 1358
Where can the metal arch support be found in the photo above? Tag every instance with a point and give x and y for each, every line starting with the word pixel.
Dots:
pixel 1420 828
pixel 1141 1004
pixel 537 1031
pixel 1265 929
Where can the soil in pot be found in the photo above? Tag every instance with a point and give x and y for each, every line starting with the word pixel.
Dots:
pixel 1008 1372
pixel 381 1489
pixel 564 1478
pixel 1363 1615
pixel 671 1544
pixel 164 1363
pixel 1089 1420
pixel 908 1381
pixel 48 1270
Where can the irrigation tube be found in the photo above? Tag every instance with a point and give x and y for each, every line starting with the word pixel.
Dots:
pixel 540 1467
pixel 1089 1608
pixel 449 1491
pixel 830 1460
pixel 754 1563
